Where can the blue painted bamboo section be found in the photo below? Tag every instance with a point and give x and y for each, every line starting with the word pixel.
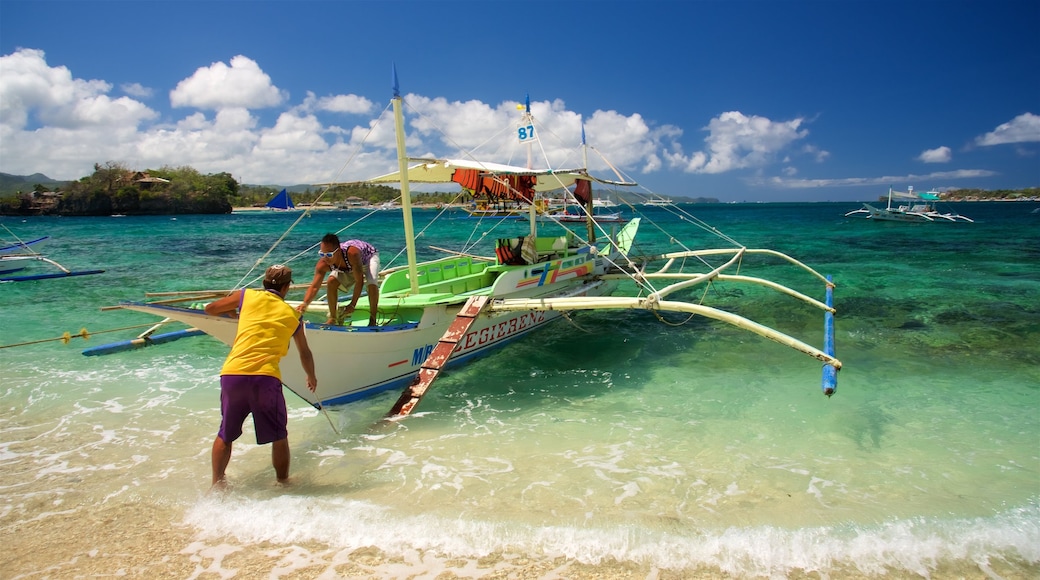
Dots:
pixel 830 374
pixel 46 276
pixel 125 345
pixel 22 245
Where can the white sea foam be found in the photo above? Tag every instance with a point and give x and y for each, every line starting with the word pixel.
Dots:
pixel 917 545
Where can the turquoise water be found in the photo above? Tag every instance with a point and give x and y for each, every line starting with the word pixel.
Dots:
pixel 610 445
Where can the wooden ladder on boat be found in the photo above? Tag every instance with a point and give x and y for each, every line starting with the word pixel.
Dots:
pixel 431 367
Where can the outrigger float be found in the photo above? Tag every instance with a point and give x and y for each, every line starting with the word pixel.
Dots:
pixel 16 254
pixel 440 313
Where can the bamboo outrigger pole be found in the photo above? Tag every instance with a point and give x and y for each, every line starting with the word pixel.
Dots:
pixel 830 371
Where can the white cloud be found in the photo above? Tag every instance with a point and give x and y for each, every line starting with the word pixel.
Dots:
pixel 351 104
pixel 818 154
pixel 627 141
pixel 738 141
pixel 136 90
pixel 477 129
pixel 219 86
pixel 30 90
pixel 1024 128
pixel 463 126
pixel 937 155
pixel 53 123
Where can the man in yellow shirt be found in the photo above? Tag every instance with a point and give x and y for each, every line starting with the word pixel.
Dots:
pixel 250 381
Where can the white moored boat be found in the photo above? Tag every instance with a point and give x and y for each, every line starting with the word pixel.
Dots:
pixel 443 312
pixel 658 200
pixel 909 207
pixel 16 254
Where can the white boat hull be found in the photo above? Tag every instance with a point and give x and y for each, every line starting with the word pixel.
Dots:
pixel 352 363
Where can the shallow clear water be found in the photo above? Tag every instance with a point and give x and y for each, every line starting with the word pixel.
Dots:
pixel 611 445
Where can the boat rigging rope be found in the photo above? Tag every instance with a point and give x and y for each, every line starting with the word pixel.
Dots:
pixel 326 413
pixel 307 212
pixel 567 315
pixel 18 241
pixel 83 333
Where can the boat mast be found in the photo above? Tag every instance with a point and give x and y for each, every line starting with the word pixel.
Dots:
pixel 406 197
pixel 590 224
pixel 526 134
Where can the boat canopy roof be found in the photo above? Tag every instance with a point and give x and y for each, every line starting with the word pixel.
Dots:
pixel 444 171
pixel 497 180
pixel 927 195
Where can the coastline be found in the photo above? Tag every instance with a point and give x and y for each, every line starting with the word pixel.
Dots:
pixel 250 209
pixel 299 208
pixel 452 206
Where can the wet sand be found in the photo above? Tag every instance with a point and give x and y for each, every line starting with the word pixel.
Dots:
pixel 143 539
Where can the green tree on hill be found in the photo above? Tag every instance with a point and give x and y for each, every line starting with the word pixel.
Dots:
pixel 114 188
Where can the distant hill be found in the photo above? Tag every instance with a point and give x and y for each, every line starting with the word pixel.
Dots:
pixel 298 188
pixel 12 184
pixel 115 189
pixel 632 198
pixel 616 196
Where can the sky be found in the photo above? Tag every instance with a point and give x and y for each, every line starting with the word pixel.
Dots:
pixel 781 100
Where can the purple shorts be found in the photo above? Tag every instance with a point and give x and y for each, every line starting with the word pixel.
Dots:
pixel 260 395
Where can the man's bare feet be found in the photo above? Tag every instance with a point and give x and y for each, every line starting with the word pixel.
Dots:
pixel 219 486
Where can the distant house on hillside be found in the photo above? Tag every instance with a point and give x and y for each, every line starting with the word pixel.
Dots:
pixel 354 201
pixel 146 181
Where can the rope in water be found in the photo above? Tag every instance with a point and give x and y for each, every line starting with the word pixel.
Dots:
pixel 83 333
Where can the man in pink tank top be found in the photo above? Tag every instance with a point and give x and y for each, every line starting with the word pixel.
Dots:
pixel 353 263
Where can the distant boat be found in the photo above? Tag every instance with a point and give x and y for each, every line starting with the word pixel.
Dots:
pixel 282 201
pixel 915 207
pixel 510 208
pixel 579 216
pixel 658 200
pixel 17 252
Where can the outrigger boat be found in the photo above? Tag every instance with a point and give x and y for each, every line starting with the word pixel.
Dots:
pixel 15 254
pixel 444 312
pixel 580 216
pixel 658 200
pixel 10 246
pixel 910 207
pixel 498 205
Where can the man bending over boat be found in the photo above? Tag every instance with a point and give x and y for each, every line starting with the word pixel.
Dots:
pixel 250 381
pixel 350 263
